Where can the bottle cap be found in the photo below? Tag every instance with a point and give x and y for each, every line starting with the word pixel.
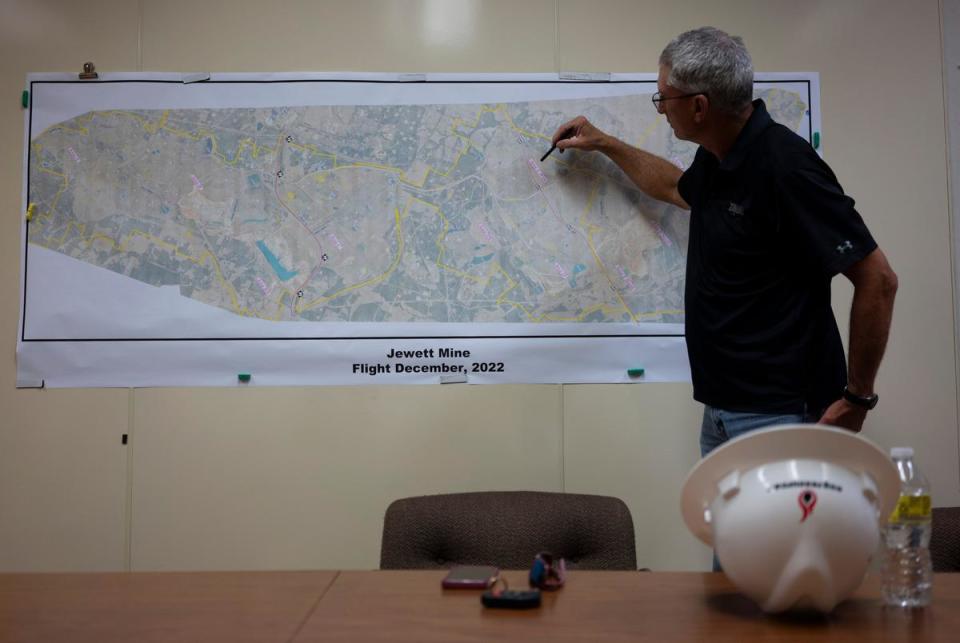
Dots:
pixel 901 452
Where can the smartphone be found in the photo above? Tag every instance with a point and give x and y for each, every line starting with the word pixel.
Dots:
pixel 470 577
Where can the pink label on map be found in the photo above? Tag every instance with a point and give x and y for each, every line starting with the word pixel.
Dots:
pixel 560 270
pixel 663 235
pixel 538 174
pixel 196 182
pixel 263 286
pixel 73 154
pixel 626 278
pixel 486 233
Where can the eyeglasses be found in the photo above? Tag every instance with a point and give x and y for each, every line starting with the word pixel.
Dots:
pixel 658 98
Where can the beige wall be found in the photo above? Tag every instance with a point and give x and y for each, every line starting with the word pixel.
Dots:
pixel 294 478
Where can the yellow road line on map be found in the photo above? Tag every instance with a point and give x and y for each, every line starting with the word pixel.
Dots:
pixel 150 126
pixel 373 280
pixel 596 255
pixel 255 148
pixel 650 128
pixel 153 127
pixel 468 143
pixel 81 229
pixel 609 310
pixel 667 311
pixel 280 306
pixel 256 151
pixel 513 125
pixel 440 239
pixel 548 316
pixel 201 260
pixel 501 107
pixel 86 118
pixel 494 265
pixel 512 284
pixel 56 198
pixel 501 297
pixel 122 246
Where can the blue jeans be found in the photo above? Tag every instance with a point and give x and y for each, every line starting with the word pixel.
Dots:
pixel 720 426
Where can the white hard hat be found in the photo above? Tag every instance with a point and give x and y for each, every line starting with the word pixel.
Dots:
pixel 793 512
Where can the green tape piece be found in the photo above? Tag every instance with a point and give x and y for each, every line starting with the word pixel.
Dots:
pixel 243 377
pixel 25 99
pixel 635 372
pixel 816 140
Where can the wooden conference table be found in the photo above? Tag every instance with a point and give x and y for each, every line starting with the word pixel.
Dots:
pixel 411 606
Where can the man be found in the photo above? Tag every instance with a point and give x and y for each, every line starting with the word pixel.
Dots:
pixel 769 228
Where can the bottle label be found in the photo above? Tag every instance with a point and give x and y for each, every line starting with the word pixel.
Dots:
pixel 911 508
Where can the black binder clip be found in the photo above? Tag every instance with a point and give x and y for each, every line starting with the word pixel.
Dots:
pixel 89 72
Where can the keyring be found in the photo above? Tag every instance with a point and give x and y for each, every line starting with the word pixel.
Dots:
pixel 495 588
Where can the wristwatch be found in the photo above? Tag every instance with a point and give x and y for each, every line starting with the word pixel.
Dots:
pixel 864 401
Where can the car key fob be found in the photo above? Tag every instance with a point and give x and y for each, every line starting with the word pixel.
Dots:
pixel 513 599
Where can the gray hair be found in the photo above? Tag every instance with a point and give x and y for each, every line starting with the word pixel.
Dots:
pixel 708 60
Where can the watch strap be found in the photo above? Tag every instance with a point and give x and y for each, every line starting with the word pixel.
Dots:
pixel 864 401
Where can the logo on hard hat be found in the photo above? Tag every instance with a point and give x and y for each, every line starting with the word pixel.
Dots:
pixel 807 501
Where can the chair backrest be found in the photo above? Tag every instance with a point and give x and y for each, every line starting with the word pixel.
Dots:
pixel 945 539
pixel 507 529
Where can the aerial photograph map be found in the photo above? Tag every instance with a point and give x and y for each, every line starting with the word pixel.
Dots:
pixel 373 213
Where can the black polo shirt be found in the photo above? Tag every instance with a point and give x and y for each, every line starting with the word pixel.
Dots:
pixel 769 228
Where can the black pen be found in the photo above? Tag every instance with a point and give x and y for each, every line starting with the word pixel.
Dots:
pixel 554 146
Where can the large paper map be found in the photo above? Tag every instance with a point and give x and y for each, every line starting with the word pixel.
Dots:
pixel 198 228
pixel 440 213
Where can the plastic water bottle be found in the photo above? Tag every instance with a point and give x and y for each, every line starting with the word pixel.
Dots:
pixel 907 574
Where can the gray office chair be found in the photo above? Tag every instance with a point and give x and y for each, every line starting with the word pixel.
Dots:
pixel 945 539
pixel 507 529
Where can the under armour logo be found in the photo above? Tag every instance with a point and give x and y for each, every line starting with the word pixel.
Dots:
pixel 735 210
pixel 844 247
